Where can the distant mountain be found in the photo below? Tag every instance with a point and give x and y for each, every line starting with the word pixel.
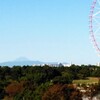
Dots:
pixel 25 61
pixel 21 62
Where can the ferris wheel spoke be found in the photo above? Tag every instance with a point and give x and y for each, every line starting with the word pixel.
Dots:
pixel 97 17
pixel 96 30
pixel 99 2
pixel 98 8
pixel 96 21
pixel 98 36
pixel 98 41
pixel 96 13
pixel 95 26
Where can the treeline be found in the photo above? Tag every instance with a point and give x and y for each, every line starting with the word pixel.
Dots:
pixel 43 82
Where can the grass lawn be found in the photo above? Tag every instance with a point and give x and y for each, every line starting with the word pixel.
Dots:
pixel 89 80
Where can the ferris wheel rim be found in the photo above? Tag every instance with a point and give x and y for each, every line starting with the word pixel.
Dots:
pixel 91 16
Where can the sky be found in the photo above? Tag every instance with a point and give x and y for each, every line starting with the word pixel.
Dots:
pixel 46 30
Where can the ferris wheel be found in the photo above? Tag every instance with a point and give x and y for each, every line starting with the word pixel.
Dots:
pixel 94 25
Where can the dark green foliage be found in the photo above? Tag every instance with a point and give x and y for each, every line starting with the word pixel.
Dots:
pixel 33 82
pixel 96 72
pixel 61 80
pixel 2 92
pixel 16 72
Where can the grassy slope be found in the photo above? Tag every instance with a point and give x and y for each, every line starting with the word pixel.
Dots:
pixel 89 80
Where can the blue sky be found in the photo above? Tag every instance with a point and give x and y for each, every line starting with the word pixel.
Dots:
pixel 46 30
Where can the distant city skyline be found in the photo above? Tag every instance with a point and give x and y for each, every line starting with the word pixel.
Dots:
pixel 46 30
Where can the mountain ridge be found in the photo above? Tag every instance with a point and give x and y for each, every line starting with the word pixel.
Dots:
pixel 20 63
pixel 24 61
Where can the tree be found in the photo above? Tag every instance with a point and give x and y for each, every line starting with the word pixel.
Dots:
pixel 14 88
pixel 62 80
pixel 16 72
pixel 62 92
pixel 96 73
